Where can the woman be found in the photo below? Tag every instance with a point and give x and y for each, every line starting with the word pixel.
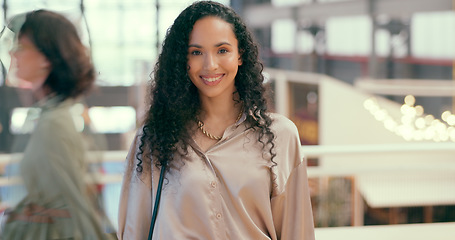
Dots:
pixel 51 58
pixel 233 170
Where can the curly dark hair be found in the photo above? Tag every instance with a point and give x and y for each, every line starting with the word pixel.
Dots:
pixel 72 72
pixel 174 98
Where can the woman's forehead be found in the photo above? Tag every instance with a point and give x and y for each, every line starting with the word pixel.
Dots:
pixel 212 30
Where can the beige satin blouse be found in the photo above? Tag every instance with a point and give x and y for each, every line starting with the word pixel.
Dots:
pixel 228 192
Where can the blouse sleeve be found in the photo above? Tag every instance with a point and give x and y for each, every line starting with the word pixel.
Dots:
pixel 135 200
pixel 291 205
pixel 291 209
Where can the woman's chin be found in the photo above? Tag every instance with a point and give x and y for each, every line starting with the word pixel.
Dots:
pixel 33 84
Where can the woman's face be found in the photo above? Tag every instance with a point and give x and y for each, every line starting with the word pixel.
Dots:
pixel 31 65
pixel 213 57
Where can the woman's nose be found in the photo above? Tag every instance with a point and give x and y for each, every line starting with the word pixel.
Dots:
pixel 210 62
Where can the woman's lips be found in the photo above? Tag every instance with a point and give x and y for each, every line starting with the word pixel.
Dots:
pixel 212 80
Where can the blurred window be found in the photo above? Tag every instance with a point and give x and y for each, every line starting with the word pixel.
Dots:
pixel 349 35
pixel 283 36
pixel 433 35
pixel 295 2
pixel 112 119
pixel 117 119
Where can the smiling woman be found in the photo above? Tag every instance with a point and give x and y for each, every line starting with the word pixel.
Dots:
pixel 233 169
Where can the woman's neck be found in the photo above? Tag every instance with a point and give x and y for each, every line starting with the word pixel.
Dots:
pixel 220 109
pixel 42 92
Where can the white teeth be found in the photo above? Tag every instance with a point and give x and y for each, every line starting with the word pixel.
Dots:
pixel 211 79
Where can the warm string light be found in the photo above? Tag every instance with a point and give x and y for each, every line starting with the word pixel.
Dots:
pixel 414 124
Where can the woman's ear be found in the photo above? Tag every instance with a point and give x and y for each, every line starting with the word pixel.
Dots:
pixel 240 60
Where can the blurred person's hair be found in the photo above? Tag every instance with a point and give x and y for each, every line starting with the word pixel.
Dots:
pixel 72 72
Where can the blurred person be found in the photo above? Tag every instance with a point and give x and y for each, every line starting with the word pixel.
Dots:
pixel 51 58
pixel 232 169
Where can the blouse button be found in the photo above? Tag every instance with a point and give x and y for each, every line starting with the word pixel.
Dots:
pixel 213 184
pixel 218 215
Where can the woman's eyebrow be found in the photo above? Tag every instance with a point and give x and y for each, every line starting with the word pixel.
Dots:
pixel 216 45
pixel 222 43
pixel 195 45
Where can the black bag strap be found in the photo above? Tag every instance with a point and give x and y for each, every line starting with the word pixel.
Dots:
pixel 157 201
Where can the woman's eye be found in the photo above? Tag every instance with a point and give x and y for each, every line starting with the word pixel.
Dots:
pixel 196 53
pixel 223 51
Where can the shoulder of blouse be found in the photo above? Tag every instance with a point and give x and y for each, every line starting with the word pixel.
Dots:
pixel 282 125
pixel 56 121
pixel 287 142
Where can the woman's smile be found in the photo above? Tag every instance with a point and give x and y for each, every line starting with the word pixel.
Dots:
pixel 212 80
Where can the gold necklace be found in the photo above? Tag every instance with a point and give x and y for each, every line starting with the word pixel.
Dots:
pixel 200 125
